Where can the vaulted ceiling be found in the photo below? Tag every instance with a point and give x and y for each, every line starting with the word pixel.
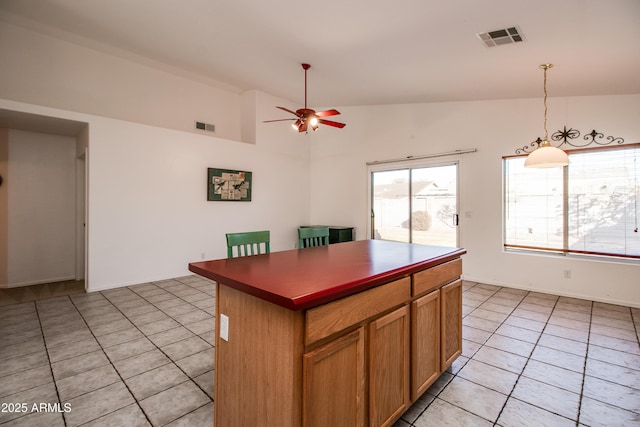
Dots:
pixel 362 52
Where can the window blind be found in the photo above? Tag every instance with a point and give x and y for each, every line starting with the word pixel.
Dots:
pixel 589 207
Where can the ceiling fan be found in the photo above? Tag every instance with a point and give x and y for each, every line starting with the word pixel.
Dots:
pixel 306 117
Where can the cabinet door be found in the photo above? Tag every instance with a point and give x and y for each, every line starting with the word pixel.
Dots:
pixel 451 322
pixel 425 343
pixel 389 367
pixel 334 383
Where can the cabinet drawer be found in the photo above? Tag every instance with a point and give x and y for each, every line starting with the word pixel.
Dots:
pixel 434 277
pixel 336 316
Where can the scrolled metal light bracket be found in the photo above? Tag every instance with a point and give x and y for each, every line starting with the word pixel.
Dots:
pixel 569 137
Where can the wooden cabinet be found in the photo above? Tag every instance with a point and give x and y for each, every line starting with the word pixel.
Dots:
pixel 389 367
pixel 406 349
pixel 334 376
pixel 434 277
pixel 451 323
pixel 436 323
pixel 338 316
pixel 425 339
pixel 335 380
pixel 334 383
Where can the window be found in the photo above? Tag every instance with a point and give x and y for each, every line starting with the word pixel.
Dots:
pixel 589 207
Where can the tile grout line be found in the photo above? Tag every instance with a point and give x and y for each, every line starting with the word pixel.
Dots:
pixel 488 338
pixel 584 369
pixel 483 344
pixel 110 362
pixel 213 346
pixel 454 375
pixel 46 348
pixel 157 347
pixel 520 375
pixel 172 361
pixel 528 357
pixel 504 405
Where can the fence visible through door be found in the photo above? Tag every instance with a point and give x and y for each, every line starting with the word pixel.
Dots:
pixel 416 205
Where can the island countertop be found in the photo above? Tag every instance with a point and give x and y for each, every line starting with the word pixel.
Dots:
pixel 300 279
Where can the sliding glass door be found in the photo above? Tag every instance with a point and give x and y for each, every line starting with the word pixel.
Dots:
pixel 416 205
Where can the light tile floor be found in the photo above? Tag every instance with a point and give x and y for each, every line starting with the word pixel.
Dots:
pixel 532 359
pixel 143 355
pixel 132 356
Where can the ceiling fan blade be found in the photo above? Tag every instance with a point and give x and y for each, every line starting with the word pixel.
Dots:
pixel 287 110
pixel 332 112
pixel 331 123
pixel 277 120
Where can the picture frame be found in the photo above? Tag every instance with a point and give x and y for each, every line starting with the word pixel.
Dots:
pixel 229 185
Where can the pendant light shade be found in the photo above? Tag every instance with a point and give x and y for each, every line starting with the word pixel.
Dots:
pixel 546 156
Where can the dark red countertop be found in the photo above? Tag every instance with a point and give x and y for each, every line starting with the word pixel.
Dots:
pixel 304 278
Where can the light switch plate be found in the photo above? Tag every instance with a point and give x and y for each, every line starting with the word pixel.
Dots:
pixel 224 327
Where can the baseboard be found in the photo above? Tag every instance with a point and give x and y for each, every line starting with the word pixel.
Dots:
pixel 555 292
pixel 37 282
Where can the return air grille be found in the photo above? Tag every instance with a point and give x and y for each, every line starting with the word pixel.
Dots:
pixel 205 126
pixel 500 37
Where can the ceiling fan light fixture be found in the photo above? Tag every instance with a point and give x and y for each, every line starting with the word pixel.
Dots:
pixel 307 117
pixel 546 156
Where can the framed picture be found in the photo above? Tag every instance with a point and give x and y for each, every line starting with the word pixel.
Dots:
pixel 228 185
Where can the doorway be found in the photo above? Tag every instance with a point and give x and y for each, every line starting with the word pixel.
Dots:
pixel 45 154
pixel 417 204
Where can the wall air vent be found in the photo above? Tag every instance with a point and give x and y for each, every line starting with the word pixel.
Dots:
pixel 205 126
pixel 499 37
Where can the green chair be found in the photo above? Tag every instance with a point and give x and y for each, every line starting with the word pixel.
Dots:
pixel 249 243
pixel 312 236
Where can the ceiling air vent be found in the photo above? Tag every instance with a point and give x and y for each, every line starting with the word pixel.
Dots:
pixel 498 37
pixel 206 126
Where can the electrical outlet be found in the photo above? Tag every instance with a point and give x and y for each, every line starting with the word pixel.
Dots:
pixel 567 274
pixel 224 327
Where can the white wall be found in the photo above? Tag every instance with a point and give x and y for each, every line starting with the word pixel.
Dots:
pixel 56 73
pixel 41 208
pixel 496 129
pixel 148 210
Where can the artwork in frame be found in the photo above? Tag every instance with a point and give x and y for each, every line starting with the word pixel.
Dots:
pixel 229 185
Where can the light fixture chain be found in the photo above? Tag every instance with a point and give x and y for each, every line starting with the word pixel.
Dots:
pixel 546 133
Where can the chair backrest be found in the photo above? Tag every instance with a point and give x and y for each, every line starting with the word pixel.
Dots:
pixel 313 236
pixel 249 243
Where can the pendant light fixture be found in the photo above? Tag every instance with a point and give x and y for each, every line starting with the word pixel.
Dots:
pixel 546 156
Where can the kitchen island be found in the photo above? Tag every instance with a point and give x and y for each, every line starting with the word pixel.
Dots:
pixel 348 334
